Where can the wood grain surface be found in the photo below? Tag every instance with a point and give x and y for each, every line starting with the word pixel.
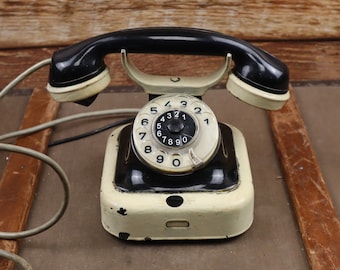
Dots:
pixel 303 34
pixel 21 174
pixel 59 22
pixel 315 213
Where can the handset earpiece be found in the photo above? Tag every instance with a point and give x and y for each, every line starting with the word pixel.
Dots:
pixel 84 92
pixel 254 96
pixel 78 72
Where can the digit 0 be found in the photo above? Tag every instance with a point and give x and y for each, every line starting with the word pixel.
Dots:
pixel 176 162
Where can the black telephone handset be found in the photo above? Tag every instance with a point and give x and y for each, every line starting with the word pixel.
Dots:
pixel 78 72
pixel 176 172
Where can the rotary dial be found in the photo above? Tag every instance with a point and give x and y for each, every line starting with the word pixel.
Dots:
pixel 175 133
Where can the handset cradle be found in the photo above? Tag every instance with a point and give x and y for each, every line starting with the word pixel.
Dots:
pixel 160 85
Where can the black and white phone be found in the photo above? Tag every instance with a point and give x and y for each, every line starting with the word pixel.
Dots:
pixel 176 172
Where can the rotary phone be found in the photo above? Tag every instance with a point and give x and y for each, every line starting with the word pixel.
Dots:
pixel 175 172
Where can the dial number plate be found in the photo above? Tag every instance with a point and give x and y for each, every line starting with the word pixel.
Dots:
pixel 175 133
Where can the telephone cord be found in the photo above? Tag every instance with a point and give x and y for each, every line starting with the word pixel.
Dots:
pixel 65 183
pixel 15 258
pixel 44 158
pixel 110 112
pixel 23 76
pixel 91 132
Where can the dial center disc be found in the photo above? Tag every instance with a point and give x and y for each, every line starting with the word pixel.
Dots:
pixel 175 128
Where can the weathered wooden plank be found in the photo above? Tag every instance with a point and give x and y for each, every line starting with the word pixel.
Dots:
pixel 59 22
pixel 316 216
pixel 307 61
pixel 21 175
